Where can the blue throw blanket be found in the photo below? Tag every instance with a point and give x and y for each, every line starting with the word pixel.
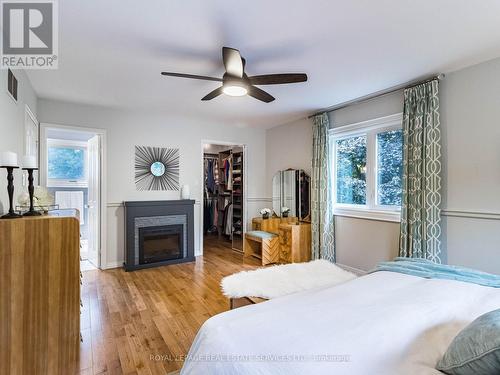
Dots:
pixel 430 270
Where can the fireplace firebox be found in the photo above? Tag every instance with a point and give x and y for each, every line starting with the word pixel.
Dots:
pixel 160 243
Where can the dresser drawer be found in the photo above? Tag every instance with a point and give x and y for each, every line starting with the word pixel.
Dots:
pixel 285 237
pixel 285 254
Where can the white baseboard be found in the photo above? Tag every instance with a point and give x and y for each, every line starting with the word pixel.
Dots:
pixel 111 265
pixel 354 270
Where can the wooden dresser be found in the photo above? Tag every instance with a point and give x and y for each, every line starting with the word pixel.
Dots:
pixel 294 240
pixel 39 295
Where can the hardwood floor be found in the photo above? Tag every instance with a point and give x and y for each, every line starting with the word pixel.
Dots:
pixel 143 322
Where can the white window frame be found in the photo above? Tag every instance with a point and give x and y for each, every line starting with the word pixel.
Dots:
pixel 53 182
pixel 370 129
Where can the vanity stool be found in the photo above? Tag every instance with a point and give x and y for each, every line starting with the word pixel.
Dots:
pixel 262 245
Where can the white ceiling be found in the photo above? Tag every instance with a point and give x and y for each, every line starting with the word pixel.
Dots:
pixel 112 52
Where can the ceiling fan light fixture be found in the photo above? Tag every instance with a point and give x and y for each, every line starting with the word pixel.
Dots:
pixel 235 81
pixel 234 89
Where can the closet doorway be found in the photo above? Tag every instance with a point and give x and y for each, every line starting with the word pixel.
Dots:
pixel 223 196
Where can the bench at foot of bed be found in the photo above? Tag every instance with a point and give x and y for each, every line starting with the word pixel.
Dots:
pixel 234 303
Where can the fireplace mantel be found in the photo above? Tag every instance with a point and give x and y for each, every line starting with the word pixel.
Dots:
pixel 140 214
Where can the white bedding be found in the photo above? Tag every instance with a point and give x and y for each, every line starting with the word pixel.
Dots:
pixel 384 323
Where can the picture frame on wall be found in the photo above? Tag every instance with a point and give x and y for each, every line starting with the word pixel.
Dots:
pixel 156 168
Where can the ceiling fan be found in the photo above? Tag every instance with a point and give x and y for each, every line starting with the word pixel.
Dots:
pixel 235 82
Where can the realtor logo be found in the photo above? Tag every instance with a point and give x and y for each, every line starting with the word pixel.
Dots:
pixel 29 37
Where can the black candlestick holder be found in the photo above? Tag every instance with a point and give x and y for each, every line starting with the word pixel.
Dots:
pixel 31 191
pixel 10 189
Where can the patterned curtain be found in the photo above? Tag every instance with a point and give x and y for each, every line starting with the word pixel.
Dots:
pixel 420 211
pixel 323 224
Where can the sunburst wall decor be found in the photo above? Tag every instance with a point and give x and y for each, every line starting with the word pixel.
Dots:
pixel 156 168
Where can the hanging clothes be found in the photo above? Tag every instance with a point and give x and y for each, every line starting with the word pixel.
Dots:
pixel 210 176
pixel 215 219
pixel 210 204
pixel 228 172
pixel 216 171
pixel 210 215
pixel 206 215
pixel 218 181
pixel 228 224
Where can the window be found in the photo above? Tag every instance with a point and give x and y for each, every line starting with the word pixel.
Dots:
pixel 66 163
pixel 389 167
pixel 351 170
pixel 367 168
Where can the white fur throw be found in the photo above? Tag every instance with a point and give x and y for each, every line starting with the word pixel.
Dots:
pixel 277 281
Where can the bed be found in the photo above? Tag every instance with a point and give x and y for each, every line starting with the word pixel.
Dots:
pixel 382 323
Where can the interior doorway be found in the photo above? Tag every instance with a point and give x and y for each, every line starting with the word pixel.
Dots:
pixel 223 204
pixel 71 170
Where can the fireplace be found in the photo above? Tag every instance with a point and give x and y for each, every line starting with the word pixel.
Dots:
pixel 160 243
pixel 158 233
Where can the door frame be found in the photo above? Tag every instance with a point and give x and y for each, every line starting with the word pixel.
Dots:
pixel 29 115
pixel 202 184
pixel 103 182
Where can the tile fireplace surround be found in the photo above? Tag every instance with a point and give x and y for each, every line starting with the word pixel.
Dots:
pixel 157 214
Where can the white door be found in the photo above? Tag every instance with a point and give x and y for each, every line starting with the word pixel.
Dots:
pixel 94 198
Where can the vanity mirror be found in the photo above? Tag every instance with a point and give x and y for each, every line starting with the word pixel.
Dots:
pixel 291 189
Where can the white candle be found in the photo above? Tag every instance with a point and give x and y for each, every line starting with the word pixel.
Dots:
pixel 185 192
pixel 29 161
pixel 8 159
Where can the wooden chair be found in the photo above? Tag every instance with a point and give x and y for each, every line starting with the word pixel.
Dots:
pixel 262 245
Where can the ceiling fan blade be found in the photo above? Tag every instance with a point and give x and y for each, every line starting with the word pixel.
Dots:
pixel 276 79
pixel 232 61
pixel 213 94
pixel 260 94
pixel 192 76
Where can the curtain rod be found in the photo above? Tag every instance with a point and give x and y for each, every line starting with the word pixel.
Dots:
pixel 378 94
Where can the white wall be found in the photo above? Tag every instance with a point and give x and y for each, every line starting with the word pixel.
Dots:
pixel 125 129
pixel 290 146
pixel 470 117
pixel 12 127
pixel 470 113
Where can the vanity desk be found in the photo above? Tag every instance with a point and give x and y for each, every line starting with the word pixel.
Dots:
pixel 272 224
pixel 279 240
pixel 283 239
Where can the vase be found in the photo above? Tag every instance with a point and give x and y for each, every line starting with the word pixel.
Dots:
pixel 265 216
pixel 285 214
pixel 185 192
